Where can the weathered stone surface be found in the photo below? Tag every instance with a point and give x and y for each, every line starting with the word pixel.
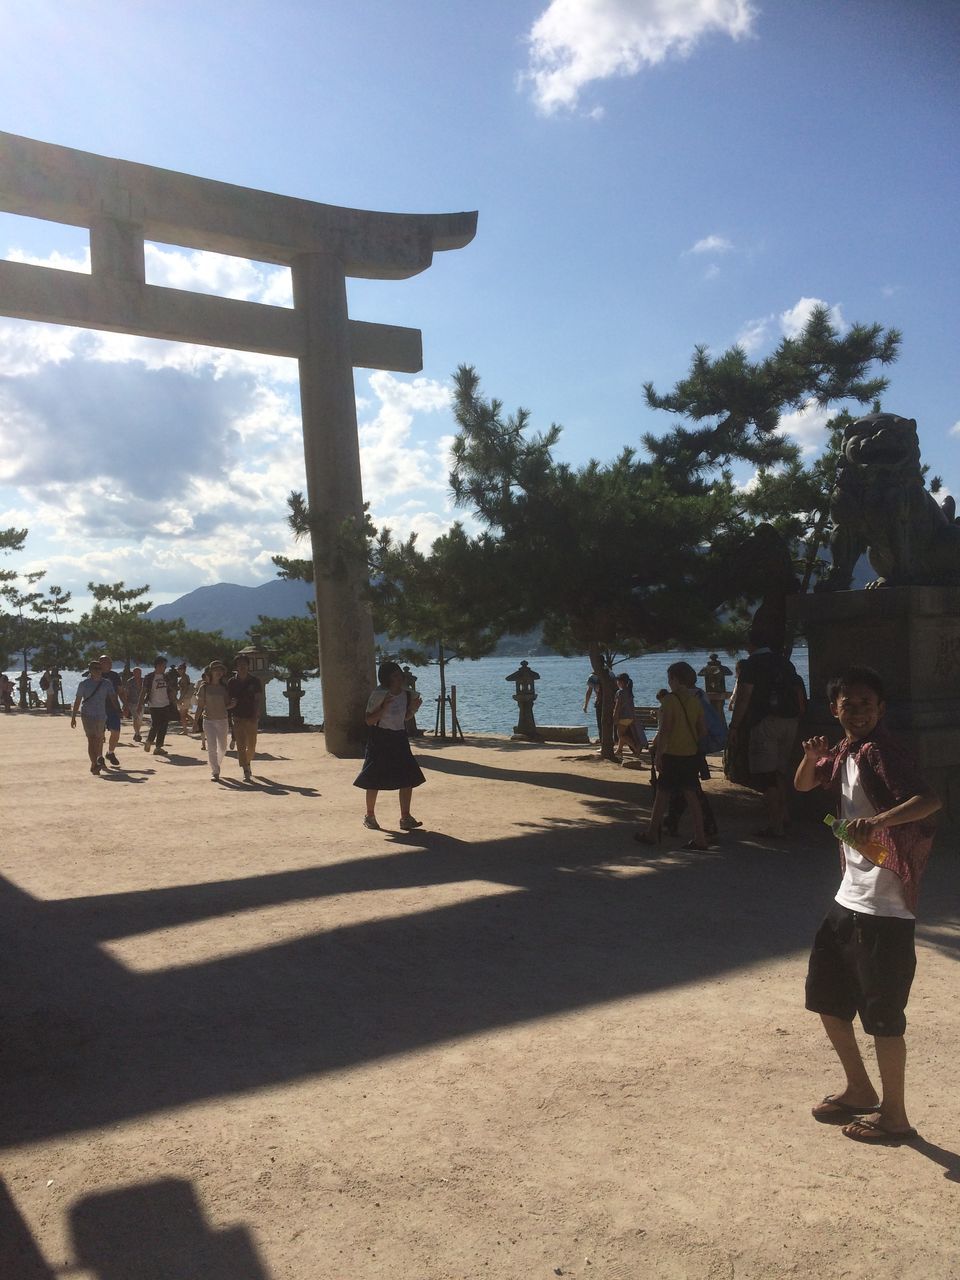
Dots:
pixel 911 636
pixel 124 204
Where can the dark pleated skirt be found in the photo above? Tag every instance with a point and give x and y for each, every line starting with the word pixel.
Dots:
pixel 388 762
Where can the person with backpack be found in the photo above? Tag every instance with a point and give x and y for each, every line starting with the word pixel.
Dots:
pixel 770 700
pixel 712 741
pixel 677 755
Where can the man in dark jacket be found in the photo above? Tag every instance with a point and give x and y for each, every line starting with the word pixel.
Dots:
pixel 159 695
pixel 247 692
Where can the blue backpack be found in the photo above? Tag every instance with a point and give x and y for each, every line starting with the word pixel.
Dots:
pixel 715 737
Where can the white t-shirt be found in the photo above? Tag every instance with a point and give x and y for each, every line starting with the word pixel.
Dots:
pixel 865 887
pixel 160 688
pixel 395 712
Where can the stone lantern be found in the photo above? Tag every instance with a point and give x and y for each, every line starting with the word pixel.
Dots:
pixel 525 697
pixel 293 693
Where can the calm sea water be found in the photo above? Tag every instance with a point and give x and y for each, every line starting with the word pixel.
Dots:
pixel 484 695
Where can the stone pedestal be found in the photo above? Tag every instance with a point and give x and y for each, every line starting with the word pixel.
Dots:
pixel 911 637
pixel 526 726
pixel 293 694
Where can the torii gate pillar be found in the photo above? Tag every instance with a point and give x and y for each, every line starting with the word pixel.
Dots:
pixel 335 497
pixel 122 204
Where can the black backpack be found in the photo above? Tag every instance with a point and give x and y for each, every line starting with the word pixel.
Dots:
pixel 787 694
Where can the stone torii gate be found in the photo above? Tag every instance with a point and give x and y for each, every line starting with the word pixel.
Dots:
pixel 122 204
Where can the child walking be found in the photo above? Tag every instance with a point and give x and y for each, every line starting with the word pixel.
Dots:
pixel 863 957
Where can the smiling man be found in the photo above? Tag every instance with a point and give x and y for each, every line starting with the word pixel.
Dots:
pixel 863 958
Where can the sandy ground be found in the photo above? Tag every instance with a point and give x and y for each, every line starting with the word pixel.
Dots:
pixel 245 1039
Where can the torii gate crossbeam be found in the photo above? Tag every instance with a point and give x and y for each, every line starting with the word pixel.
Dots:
pixel 123 204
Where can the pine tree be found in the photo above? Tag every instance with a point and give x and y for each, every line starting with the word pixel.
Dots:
pixel 610 558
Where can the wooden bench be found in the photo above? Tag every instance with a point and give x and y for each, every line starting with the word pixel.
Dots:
pixel 646 718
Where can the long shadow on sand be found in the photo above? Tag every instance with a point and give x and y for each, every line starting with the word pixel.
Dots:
pixel 575 917
pixel 151 1231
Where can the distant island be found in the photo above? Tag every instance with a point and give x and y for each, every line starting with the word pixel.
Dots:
pixel 234 609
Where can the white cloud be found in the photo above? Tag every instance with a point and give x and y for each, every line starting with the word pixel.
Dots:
pixel 170 463
pixel 392 463
pixel 955 429
pixel 27 348
pixel 575 42
pixel 755 334
pixel 807 427
pixel 229 277
pixel 61 261
pixel 712 244
pixel 794 318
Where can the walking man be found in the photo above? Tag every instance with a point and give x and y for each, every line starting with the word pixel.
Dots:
pixel 184 695
pixel 131 701
pixel 113 712
pixel 159 696
pixel 770 701
pixel 246 691
pixel 95 696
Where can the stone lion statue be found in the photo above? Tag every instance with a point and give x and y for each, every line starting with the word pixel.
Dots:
pixel 881 506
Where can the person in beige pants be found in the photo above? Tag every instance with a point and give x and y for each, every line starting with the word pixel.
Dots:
pixel 246 692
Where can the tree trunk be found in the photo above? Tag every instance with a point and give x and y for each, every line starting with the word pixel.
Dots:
pixel 608 689
pixel 442 704
pixel 816 541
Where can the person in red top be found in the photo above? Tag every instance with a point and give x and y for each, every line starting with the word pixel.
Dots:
pixel 863 957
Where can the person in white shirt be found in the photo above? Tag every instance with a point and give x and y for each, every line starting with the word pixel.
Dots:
pixel 159 696
pixel 388 764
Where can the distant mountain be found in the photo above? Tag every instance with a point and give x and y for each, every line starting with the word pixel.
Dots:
pixel 233 609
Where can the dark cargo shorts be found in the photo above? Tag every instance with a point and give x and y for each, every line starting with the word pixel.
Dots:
pixel 862 964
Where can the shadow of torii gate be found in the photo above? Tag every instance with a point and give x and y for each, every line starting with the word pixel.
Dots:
pixel 122 204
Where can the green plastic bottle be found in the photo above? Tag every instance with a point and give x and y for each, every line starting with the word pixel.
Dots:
pixel 870 848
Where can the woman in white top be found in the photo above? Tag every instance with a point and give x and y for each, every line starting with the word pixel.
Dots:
pixel 388 764
pixel 213 703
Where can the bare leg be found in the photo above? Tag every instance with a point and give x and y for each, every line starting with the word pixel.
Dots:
pixel 95 748
pixel 372 802
pixel 656 815
pixel 774 809
pixel 405 795
pixel 114 739
pixel 859 1090
pixel 892 1061
pixel 784 791
pixel 696 813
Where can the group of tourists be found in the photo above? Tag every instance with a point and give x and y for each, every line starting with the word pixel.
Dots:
pixel 863 958
pixel 51 688
pixel 223 708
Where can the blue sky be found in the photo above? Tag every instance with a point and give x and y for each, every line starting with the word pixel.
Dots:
pixel 649 175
